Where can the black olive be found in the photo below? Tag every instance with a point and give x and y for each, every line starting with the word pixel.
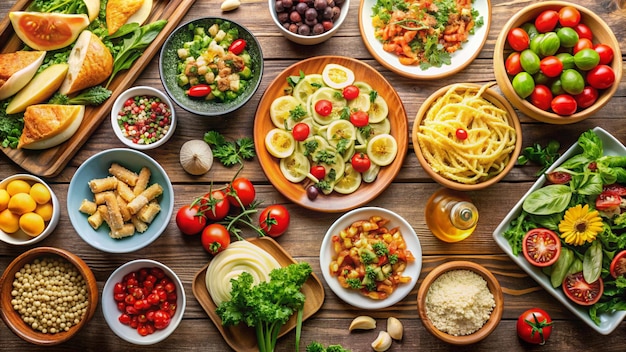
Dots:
pixel 312 192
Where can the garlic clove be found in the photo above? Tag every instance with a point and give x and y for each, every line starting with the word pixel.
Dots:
pixel 395 328
pixel 196 157
pixel 229 5
pixel 382 342
pixel 362 322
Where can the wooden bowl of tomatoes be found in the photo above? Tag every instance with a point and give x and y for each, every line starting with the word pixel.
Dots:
pixel 68 273
pixel 557 62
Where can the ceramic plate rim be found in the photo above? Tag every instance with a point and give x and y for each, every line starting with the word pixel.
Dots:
pixel 608 322
pixel 413 270
pixel 460 59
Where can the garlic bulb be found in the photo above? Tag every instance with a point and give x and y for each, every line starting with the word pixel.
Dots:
pixel 196 157
pixel 229 5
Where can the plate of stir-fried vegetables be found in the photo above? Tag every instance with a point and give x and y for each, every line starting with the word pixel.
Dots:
pixel 426 39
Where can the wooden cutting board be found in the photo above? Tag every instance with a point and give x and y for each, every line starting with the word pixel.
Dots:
pixel 50 162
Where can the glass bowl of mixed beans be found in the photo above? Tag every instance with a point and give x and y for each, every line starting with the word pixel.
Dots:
pixel 143 118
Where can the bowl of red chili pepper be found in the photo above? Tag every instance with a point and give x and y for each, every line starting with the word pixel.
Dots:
pixel 211 66
pixel 143 118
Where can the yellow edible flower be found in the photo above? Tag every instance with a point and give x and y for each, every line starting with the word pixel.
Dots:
pixel 580 225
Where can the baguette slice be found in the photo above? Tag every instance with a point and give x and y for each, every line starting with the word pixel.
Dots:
pixel 91 63
pixel 48 125
pixel 17 69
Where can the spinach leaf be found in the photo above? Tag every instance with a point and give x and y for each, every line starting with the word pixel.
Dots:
pixel 548 200
pixel 592 262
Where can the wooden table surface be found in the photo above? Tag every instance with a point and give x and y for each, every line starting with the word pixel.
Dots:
pixel 407 196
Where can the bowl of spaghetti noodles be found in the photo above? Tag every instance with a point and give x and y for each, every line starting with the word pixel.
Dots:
pixel 466 136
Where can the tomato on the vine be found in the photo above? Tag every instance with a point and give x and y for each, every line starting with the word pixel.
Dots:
pixel 546 21
pixel 564 104
pixel 214 205
pixel 541 247
pixel 541 97
pixel 244 189
pixel 190 219
pixel 569 16
pixel 359 118
pixel 274 220
pixel 324 107
pixel 534 326
pixel 360 162
pixel 350 92
pixel 301 131
pixel 318 171
pixel 582 292
pixel 618 265
pixel 215 238
pixel 518 39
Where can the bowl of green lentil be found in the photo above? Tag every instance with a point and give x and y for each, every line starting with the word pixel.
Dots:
pixel 143 118
pixel 59 284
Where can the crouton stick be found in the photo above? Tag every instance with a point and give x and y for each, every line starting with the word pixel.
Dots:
pixel 142 180
pixel 99 185
pixel 123 174
pixel 145 197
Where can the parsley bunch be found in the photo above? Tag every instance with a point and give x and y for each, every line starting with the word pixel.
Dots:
pixel 230 153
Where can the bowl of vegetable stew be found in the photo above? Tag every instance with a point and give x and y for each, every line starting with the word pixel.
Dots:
pixel 545 96
pixel 211 66
pixel 84 298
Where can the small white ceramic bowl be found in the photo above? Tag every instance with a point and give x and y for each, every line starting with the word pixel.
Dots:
pixel 20 238
pixel 141 91
pixel 111 313
pixel 309 39
pixel 354 297
pixel 97 166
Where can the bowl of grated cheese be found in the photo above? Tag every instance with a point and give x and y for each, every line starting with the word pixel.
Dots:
pixel 460 302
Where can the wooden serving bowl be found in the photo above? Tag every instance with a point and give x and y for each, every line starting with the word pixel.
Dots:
pixel 494 98
pixel 601 34
pixel 12 318
pixel 492 284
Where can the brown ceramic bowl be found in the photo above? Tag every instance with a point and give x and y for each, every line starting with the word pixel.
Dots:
pixel 601 34
pixel 492 284
pixel 497 100
pixel 12 318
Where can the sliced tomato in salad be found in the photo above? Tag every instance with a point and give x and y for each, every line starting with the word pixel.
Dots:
pixel 615 188
pixel 608 200
pixel 541 247
pixel 558 177
pixel 618 265
pixel 580 291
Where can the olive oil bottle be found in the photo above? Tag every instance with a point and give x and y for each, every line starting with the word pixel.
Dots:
pixel 450 215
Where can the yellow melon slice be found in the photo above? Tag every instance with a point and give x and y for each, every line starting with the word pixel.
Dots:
pixel 17 69
pixel 40 88
pixel 93 9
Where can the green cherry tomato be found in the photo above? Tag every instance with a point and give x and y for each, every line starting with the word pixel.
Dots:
pixel 550 44
pixel 530 29
pixel 572 81
pixel 586 59
pixel 567 59
pixel 535 41
pixel 523 84
pixel 541 78
pixel 529 61
pixel 556 87
pixel 568 36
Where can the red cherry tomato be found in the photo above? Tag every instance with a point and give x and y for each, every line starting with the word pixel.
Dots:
pixel 461 134
pixel 190 220
pixel 359 118
pixel 360 162
pixel 541 97
pixel 618 265
pixel 601 77
pixel 564 105
pixel 583 31
pixel 541 247
pixel 569 16
pixel 513 64
pixel 350 92
pixel 534 326
pixel 587 98
pixel 318 171
pixel 324 107
pixel 199 91
pixel 605 52
pixel 551 66
pixel 300 131
pixel 546 21
pixel 581 291
pixel 215 238
pixel 583 43
pixel 237 47
pixel 518 39
pixel 274 220
pixel 242 188
pixel 214 205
